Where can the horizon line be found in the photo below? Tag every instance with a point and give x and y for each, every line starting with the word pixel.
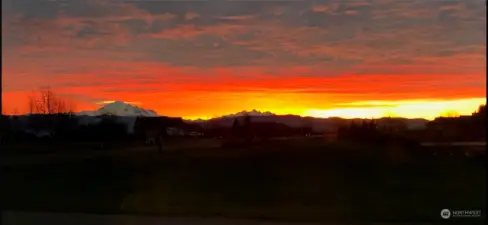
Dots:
pixel 408 110
pixel 76 114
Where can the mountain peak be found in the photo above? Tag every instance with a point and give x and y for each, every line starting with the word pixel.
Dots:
pixel 253 112
pixel 120 108
pixel 118 103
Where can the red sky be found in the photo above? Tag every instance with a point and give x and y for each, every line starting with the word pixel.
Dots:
pixel 204 59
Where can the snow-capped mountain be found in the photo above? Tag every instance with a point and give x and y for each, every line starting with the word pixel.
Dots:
pixel 250 113
pixel 119 108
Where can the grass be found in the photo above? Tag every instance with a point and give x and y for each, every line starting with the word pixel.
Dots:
pixel 283 180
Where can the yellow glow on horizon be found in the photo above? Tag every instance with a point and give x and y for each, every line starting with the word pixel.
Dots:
pixel 412 109
pixel 197 118
pixel 112 101
pixel 427 109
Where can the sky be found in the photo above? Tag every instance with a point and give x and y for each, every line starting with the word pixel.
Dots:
pixel 202 59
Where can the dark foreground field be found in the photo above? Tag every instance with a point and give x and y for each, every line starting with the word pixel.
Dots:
pixel 285 180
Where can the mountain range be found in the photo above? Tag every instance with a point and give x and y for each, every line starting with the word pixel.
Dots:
pixel 122 109
pixel 250 113
pixel 317 124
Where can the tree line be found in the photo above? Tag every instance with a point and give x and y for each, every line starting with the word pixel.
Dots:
pixel 51 117
pixel 446 128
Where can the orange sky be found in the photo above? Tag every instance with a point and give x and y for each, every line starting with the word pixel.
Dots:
pixel 349 59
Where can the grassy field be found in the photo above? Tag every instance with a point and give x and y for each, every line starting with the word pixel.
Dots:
pixel 301 180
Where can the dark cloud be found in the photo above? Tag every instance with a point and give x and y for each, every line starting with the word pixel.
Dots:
pixel 335 34
pixel 136 26
pixel 217 8
pixel 203 51
pixel 32 9
pixel 88 31
pixel 48 9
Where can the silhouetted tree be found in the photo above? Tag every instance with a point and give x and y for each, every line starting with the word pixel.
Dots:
pixel 481 112
pixel 236 131
pixel 247 120
pixel 247 128
pixel 235 124
pixel 45 101
pixel 48 108
pixel 366 132
pixel 462 128
pixel 31 104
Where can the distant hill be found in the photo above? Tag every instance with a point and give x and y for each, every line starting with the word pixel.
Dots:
pixel 127 114
pixel 317 124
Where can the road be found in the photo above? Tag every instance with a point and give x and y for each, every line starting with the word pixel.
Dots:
pixel 46 218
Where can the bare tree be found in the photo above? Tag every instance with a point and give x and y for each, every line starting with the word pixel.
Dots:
pixel 71 107
pixel 47 102
pixel 31 104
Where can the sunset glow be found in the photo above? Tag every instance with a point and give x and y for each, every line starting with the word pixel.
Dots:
pixel 406 109
pixel 208 59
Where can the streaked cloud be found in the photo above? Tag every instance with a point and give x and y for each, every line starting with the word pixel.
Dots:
pixel 310 50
